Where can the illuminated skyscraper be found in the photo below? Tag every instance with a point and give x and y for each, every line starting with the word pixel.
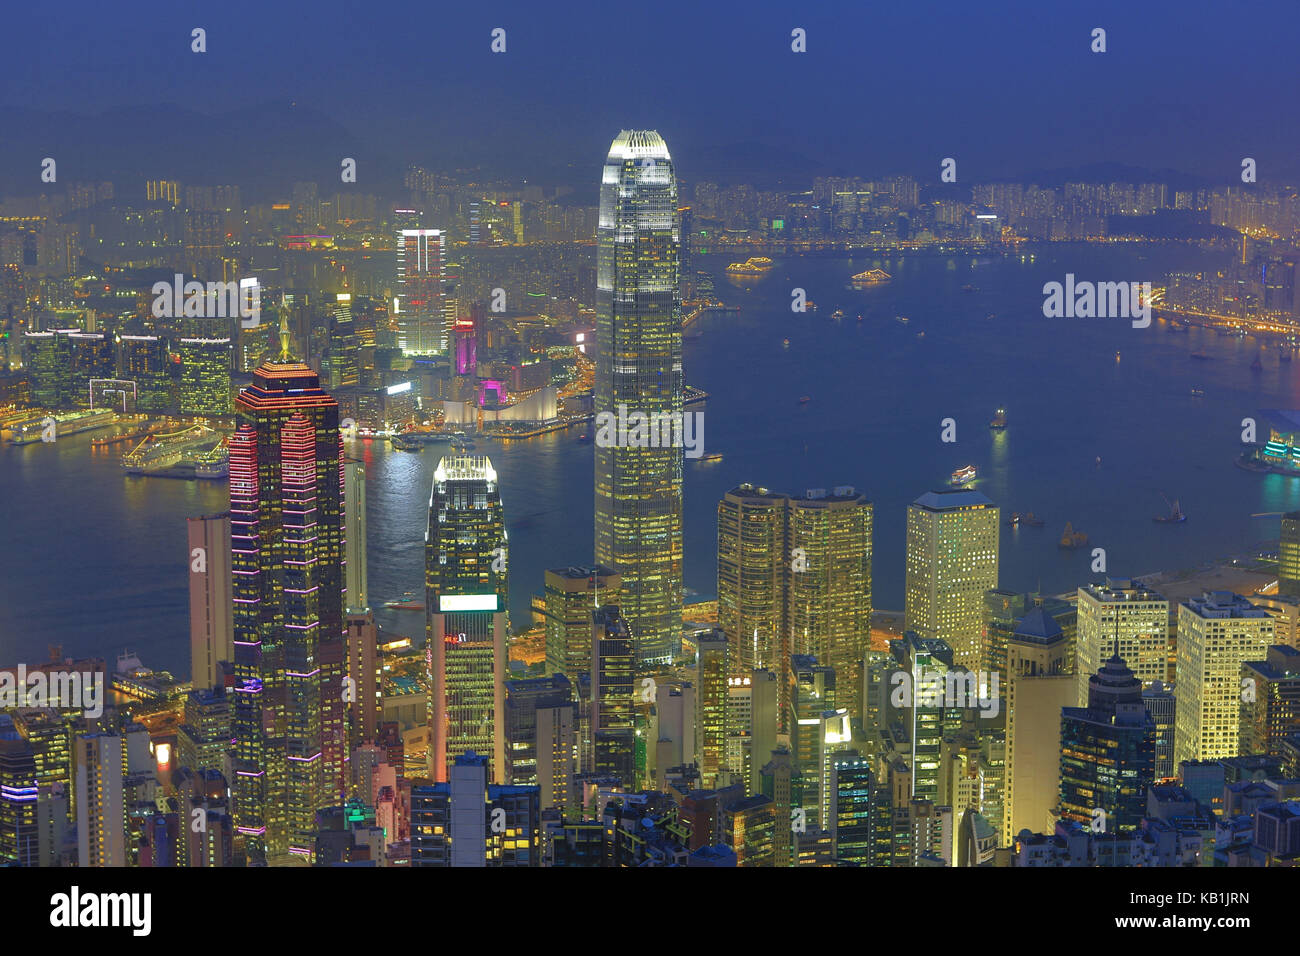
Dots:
pixel 1288 555
pixel 613 696
pixel 794 577
pixel 639 365
pixel 205 376
pixel 466 573
pixel 1036 686
pixel 286 515
pixel 571 595
pixel 101 809
pixel 143 359
pixel 1217 634
pixel 1270 701
pixel 753 564
pixel 541 737
pixel 19 795
pixel 1123 611
pixel 829 585
pixel 355 559
pixel 1108 751
pixel 952 559
pixel 420 320
pixel 711 672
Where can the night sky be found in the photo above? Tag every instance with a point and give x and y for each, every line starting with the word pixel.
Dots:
pixel 1009 88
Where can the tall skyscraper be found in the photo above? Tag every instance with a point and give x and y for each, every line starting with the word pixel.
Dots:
pixel 205 376
pixel 571 595
pixel 286 515
pixel 354 494
pixel 952 559
pixel 1108 751
pixel 466 573
pixel 1288 555
pixel 101 808
pixel 1123 617
pixel 211 622
pixel 1037 685
pixel 829 584
pixel 1270 696
pixel 639 366
pixel 1217 633
pixel 712 668
pixel 420 267
pixel 794 577
pixel 613 701
pixel 541 737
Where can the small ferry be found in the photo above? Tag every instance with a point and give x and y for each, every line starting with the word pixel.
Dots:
pixel 1198 392
pixel 403 443
pixel 716 456
pixel 805 400
pixel 902 318
pixel 872 277
pixel 962 476
pixel 751 268
pixel 999 420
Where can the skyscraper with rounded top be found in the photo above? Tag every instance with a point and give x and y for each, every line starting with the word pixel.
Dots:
pixel 639 366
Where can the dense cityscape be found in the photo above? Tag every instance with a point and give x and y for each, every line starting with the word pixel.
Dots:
pixel 330 443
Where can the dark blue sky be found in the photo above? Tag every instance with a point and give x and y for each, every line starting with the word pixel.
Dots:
pixel 1004 87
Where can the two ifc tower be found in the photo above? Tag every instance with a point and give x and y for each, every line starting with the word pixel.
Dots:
pixel 288 527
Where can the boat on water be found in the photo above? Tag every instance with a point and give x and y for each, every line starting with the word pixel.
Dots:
pixel 809 306
pixel 962 476
pixel 65 423
pixel 785 343
pixel 999 420
pixel 902 318
pixel 805 400
pixel 405 605
pixel 1028 518
pixel 405 443
pixel 716 456
pixel 161 452
pixel 751 268
pixel 837 314
pixel 969 288
pixel 1175 516
pixel 872 277
pixel 1198 392
pixel 1071 539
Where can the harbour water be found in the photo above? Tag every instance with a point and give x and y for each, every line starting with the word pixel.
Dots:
pixel 95 560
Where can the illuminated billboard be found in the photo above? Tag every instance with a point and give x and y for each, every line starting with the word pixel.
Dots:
pixel 453 603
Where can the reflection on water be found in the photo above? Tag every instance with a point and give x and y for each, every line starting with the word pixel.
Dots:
pixel 96 561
